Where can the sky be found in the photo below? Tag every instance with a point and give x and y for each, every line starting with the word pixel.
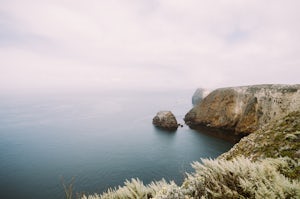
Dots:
pixel 147 44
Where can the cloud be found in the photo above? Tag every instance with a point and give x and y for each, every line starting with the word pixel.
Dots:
pixel 148 44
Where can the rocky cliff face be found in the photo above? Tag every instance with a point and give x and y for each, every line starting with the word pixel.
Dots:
pixel 244 109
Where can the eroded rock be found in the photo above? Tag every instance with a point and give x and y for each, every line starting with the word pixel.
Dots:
pixel 165 120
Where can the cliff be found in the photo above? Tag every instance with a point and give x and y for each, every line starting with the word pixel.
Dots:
pixel 244 109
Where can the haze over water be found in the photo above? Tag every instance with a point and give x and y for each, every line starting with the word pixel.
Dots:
pixel 100 138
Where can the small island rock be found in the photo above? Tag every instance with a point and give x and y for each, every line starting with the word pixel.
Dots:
pixel 165 120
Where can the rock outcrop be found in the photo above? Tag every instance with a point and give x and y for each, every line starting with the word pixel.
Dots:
pixel 244 109
pixel 198 96
pixel 165 120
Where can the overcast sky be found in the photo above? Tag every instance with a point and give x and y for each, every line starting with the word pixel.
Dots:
pixel 152 44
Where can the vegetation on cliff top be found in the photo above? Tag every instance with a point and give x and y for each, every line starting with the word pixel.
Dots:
pixel 264 164
pixel 278 139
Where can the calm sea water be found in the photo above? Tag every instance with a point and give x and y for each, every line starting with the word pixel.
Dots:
pixel 100 138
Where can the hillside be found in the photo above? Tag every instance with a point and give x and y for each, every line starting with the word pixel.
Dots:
pixel 278 139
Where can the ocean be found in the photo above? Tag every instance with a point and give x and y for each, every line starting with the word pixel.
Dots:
pixel 101 138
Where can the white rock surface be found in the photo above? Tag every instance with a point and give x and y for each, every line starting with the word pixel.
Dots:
pixel 199 94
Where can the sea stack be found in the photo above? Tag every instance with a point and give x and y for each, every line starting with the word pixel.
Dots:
pixel 165 120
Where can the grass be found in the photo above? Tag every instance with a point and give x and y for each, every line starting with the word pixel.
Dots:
pixel 68 188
